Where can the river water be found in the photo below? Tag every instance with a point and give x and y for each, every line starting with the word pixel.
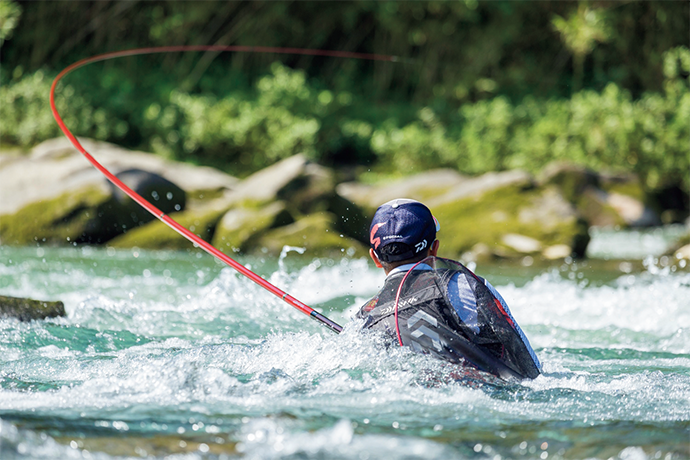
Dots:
pixel 171 355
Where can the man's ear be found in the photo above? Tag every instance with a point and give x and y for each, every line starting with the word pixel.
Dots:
pixel 434 248
pixel 376 260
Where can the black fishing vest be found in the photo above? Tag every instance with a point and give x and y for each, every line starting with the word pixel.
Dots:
pixel 428 323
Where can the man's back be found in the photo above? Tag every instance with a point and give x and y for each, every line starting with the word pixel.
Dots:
pixel 450 312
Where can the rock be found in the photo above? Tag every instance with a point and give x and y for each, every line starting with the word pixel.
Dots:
pixel 201 221
pixel 27 309
pixel 269 199
pixel 264 186
pixel 54 195
pixel 316 234
pixel 480 252
pixel 161 192
pixel 540 214
pixel 311 190
pixel 305 188
pixel 121 213
pixel 418 187
pixel 350 219
pixel 604 209
pixel 633 212
pixel 58 167
pixel 673 202
pixel 521 243
pixel 62 219
pixel 592 204
pixel 681 248
pixel 476 214
pixel 603 199
pixel 433 188
pixel 240 225
pixel 557 251
pixel 477 186
pixel 572 180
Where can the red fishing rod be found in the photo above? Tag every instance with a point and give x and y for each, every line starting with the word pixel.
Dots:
pixel 157 212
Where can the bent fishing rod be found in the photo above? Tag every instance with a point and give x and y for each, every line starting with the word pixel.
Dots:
pixel 167 220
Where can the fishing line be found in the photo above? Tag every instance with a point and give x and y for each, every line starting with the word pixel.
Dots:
pixel 170 222
pixel 397 300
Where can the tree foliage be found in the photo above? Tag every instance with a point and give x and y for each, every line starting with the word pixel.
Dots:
pixel 479 86
pixel 9 16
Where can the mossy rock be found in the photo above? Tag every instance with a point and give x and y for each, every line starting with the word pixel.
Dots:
pixel 582 188
pixel 316 234
pixel 422 187
pixel 28 309
pixel 240 225
pixel 540 214
pixel 264 186
pixel 60 220
pixel 310 190
pixel 157 235
pixel 572 180
pixel 593 205
pixel 603 199
pixel 350 219
pixel 625 184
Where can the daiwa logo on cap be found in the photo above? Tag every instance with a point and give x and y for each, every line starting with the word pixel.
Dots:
pixel 406 223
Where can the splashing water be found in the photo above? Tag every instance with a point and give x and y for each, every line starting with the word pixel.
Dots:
pixel 171 355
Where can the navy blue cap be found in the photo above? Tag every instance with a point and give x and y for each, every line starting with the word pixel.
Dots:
pixel 402 221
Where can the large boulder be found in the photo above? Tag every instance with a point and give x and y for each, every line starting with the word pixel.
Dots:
pixel 317 234
pixel 305 188
pixel 512 220
pixel 265 203
pixel 241 226
pixel 420 187
pixel 61 219
pixel 121 213
pixel 500 214
pixel 603 199
pixel 54 195
pixel 201 221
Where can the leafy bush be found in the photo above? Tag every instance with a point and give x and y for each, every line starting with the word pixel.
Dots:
pixel 27 118
pixel 607 130
pixel 10 13
pixel 283 114
pixel 277 122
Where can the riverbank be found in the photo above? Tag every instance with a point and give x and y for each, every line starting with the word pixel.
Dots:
pixel 56 198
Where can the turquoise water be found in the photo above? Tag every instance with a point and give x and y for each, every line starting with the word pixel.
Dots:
pixel 171 355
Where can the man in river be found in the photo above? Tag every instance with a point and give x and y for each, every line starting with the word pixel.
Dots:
pixel 436 305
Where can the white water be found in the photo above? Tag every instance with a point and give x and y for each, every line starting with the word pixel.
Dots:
pixel 171 355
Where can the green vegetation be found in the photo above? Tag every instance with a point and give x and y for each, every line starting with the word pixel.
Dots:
pixel 480 86
pixel 9 16
pixel 603 131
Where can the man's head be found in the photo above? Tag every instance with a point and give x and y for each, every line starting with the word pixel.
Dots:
pixel 402 231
